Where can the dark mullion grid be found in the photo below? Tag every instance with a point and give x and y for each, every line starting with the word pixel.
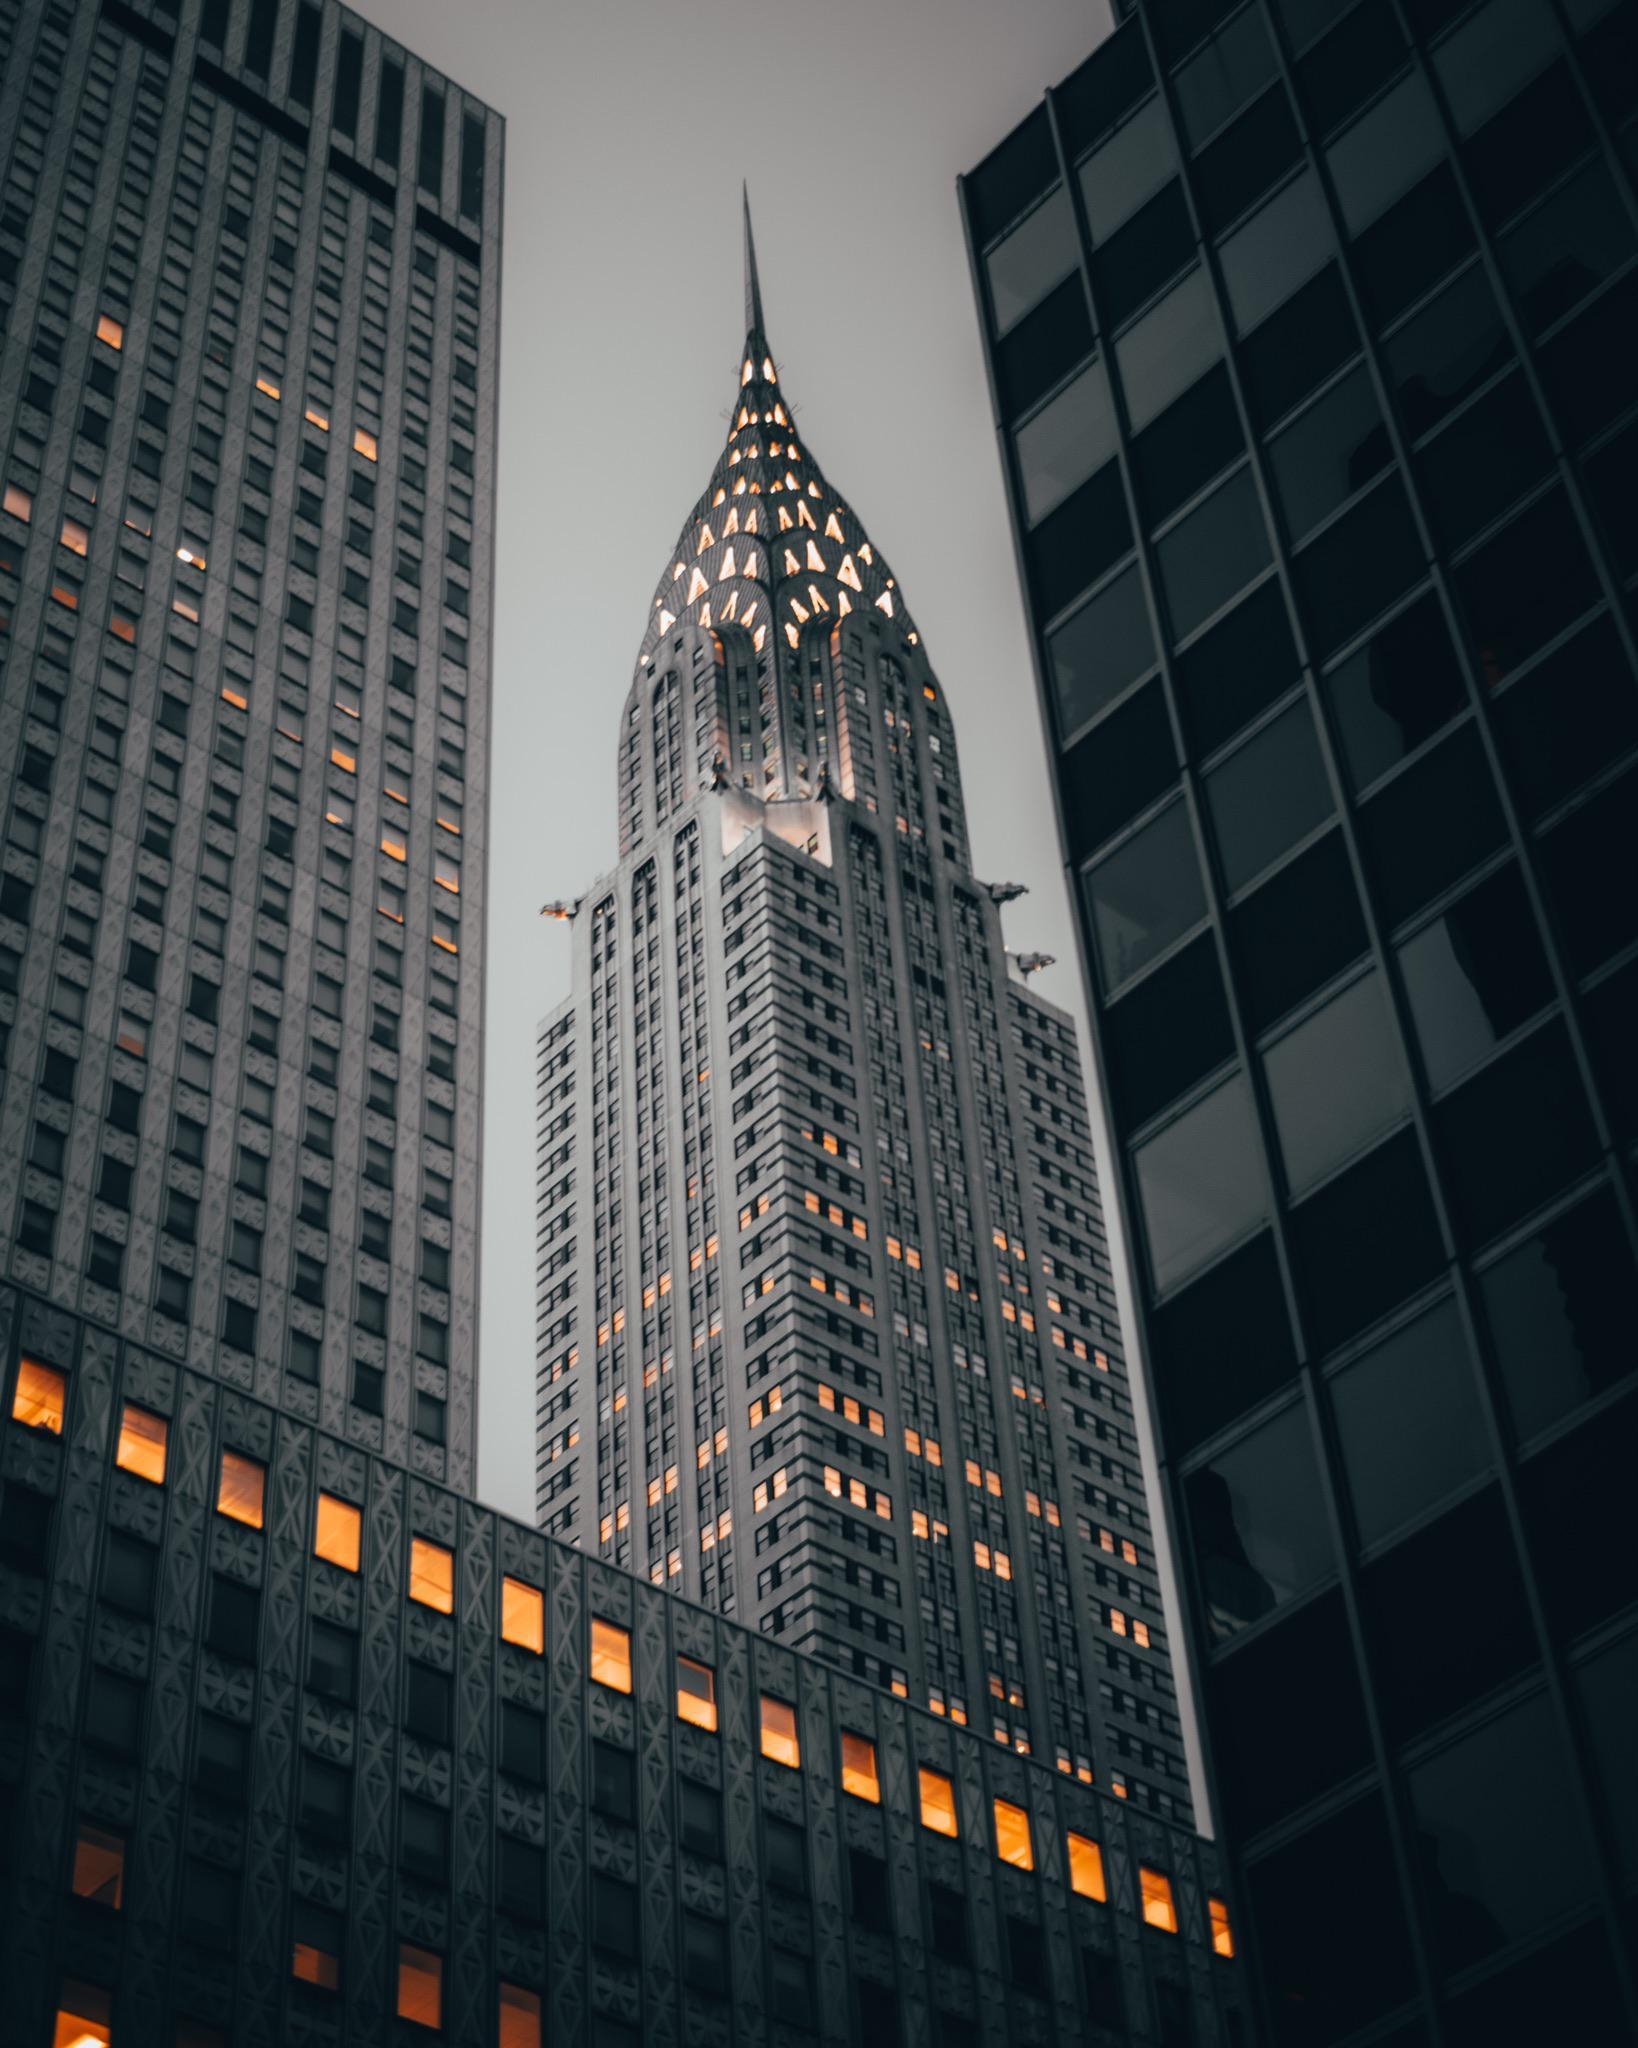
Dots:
pixel 1400 1823
pixel 1613 1163
pixel 1457 1263
pixel 1613 156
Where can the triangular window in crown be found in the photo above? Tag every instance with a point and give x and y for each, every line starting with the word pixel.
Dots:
pixel 849 575
pixel 833 528
pixel 815 559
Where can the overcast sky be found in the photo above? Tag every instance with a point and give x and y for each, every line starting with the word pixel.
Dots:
pixel 629 125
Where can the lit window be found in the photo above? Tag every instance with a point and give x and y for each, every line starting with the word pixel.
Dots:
pixel 74 537
pixel 1222 1935
pixel 82 2016
pixel 432 1575
pixel 41 1398
pixel 779 1740
pixel 1086 1867
pixel 610 1655
pixel 143 1437
pixel 519 2017
pixel 110 331
pixel 317 419
pixel 364 443
pixel 420 1985
pixel 1158 1907
pixel 267 387
pixel 523 1615
pixel 859 1768
pixel 314 1955
pixel 696 1693
pixel 338 1533
pixel 99 1866
pixel 242 1489
pixel 938 1807
pixel 18 503
pixel 1012 1840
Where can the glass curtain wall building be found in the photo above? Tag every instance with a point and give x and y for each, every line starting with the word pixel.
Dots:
pixel 1313 339
pixel 827 1335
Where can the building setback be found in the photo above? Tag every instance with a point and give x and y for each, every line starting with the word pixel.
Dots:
pixel 249 293
pixel 1311 332
pixel 827 1336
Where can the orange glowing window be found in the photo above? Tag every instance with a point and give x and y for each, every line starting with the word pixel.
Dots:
pixel 1159 1908
pixel 859 1768
pixel 82 2016
pixel 18 503
pixel 610 1655
pixel 1012 1837
pixel 394 848
pixel 432 1575
pixel 311 1964
pixel 420 1985
pixel 41 1397
pixel 364 443
pixel 267 387
pixel 317 419
pixel 1086 1867
pixel 74 537
pixel 123 628
pixel 523 1615
pixel 1222 1935
pixel 99 1866
pixel 241 1490
pixel 696 1693
pixel 779 1738
pixel 348 763
pixel 110 331
pixel 338 1532
pixel 143 1437
pixel 519 2017
pixel 938 1807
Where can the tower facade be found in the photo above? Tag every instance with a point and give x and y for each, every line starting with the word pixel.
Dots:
pixel 827 1337
pixel 1311 331
pixel 249 293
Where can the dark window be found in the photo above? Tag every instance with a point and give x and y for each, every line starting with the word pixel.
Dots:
pixel 1137 259
pixel 1515 1133
pixel 1560 1314
pixel 1024 267
pixel 521 1746
pixel 790 1987
pixel 1494 1870
pixel 428 1702
pixel 613 1914
pixel 332 1661
pixel 1418 240
pixel 1559 253
pixel 1578 1516
pixel 1525 585
pixel 1128 168
pixel 1168 1031
pixel 1237 1313
pixel 784 1854
pixel 389 114
pixel 1395 692
pixel 1026 1955
pixel 130 1573
pixel 1358 565
pixel 113 1712
pixel 423 1841
pixel 1267 796
pixel 1298 930
pixel 1320 1125
pixel 1144 896
pixel 1200 1183
pixel 1259 1523
pixel 25 1527
pixel 1608 1685
pixel 1446 351
pixel 520 1870
pixel 1328 453
pixel 614 1781
pixel 1043 348
pixel 1100 1975
pixel 1382 1200
pixel 1409 1424
pixel 699 1812
pixel 1073 546
pixel 1424 830
pixel 947 1921
pixel 1118 769
pixel 233 1620
pixel 1276 251
pixel 210 1904
pixel 1587 863
pixel 878 2010
pixel 1298 347
pixel 1228 675
pixel 1483 461
pixel 1474 975
pixel 705 1954
pixel 326 1808
pixel 1100 649
pixel 221 1759
pixel 430 155
pixel 1342 72
pixel 870 1899
pixel 472 142
pixel 1213 553
pixel 1192 441
pixel 1169 350
pixel 1072 435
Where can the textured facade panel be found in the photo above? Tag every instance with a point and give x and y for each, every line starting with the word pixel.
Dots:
pixel 1311 334
pixel 826 1334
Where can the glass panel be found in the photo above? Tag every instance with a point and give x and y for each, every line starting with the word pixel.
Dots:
pixel 1200 1182
pixel 938 1810
pixel 610 1655
pixel 1159 1907
pixel 1072 435
pixel 1278 249
pixel 1333 450
pixel 696 1693
pixel 1560 1314
pixel 239 1495
pixel 859 1776
pixel 1025 267
pixel 1268 796
pixel 1012 1837
pixel 40 1398
pixel 1495 1868
pixel 523 1615
pixel 1608 1685
pixel 1473 976
pixel 432 1575
pixel 1086 1878
pixel 1574 240
pixel 1258 1521
pixel 1494 52
pixel 1108 644
pixel 1145 896
pixel 1213 553
pixel 1336 1081
pixel 1233 66
pixel 1386 151
pixel 1446 351
pixel 1397 691
pixel 1174 343
pixel 1408 1420
pixel 143 1437
pixel 1128 169
pixel 779 1737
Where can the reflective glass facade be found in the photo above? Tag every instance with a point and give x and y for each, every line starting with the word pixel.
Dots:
pixel 1334 635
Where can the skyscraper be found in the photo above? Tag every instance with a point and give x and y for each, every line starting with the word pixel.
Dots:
pixel 1312 340
pixel 249 285
pixel 827 1336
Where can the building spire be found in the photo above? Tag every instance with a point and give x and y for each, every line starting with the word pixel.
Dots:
pixel 753 288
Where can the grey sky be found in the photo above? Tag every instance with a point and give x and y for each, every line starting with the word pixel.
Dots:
pixel 630 124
